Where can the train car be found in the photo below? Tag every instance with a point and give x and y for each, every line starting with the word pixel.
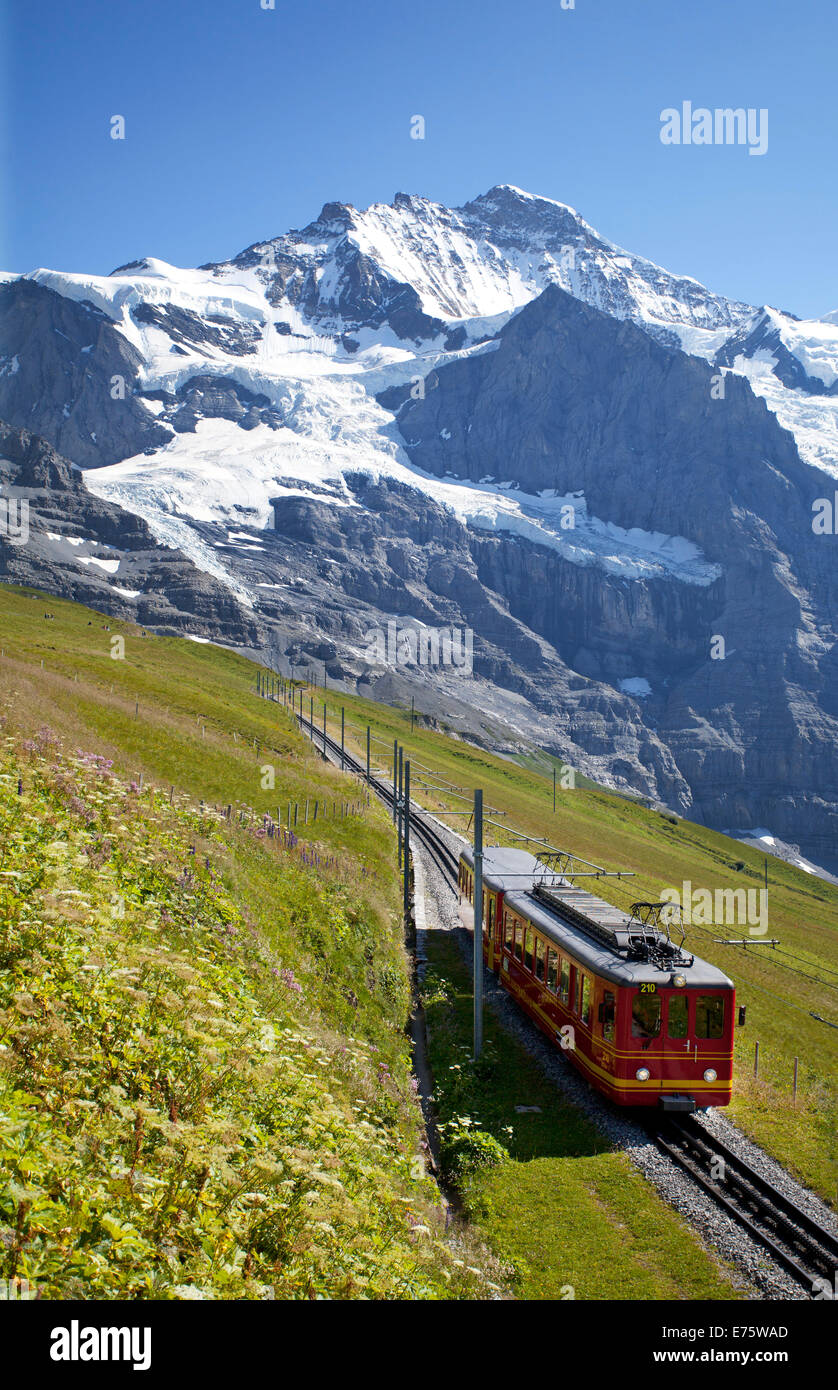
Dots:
pixel 504 870
pixel 646 1023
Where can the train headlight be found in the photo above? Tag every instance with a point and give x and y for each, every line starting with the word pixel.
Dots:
pixel 709 1075
pixel 679 981
pixel 642 1073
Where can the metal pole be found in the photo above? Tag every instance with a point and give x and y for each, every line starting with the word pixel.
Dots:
pixel 554 788
pixel 756 1059
pixel 324 730
pixel 395 779
pixel 478 923
pixel 341 736
pixel 311 718
pixel 399 803
pixel 406 841
pixel 412 711
pixel 368 755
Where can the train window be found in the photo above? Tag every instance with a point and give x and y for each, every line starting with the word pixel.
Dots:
pixel 575 989
pixel 519 940
pixel 528 949
pixel 552 969
pixel 677 1025
pixel 607 1015
pixel 709 1015
pixel 509 932
pixel 540 953
pixel 646 1016
pixel 586 1000
pixel 489 919
pixel 564 982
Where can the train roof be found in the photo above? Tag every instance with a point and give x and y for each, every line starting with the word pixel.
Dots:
pixel 580 923
pixel 504 869
pixel 606 938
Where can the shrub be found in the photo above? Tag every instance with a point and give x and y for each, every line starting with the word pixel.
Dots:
pixel 465 1149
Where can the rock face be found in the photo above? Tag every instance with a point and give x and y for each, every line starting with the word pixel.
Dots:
pixel 481 418
pixel 571 398
pixel 78 547
pixel 74 377
pixel 214 398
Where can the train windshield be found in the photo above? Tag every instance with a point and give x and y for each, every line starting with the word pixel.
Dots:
pixel 646 1016
pixel 709 1015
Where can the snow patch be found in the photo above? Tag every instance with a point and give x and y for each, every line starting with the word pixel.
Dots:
pixel 110 566
pixel 637 686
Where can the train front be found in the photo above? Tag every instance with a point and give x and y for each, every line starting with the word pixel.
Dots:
pixel 676 1024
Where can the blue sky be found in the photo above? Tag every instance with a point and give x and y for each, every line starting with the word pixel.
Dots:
pixel 241 122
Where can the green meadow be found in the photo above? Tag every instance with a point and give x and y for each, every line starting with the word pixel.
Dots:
pixel 205 1085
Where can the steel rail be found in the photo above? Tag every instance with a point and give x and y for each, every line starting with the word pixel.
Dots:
pixel 796 1240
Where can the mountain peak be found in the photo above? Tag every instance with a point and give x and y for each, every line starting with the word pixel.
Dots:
pixel 508 195
pixel 340 215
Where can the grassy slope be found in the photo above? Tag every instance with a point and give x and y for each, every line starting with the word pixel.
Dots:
pixel 204 1077
pixel 89 700
pixel 620 834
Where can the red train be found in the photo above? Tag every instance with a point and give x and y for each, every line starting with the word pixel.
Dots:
pixel 644 1022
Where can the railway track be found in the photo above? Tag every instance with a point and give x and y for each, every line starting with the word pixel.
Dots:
pixel 442 855
pixel 805 1249
pixel 801 1246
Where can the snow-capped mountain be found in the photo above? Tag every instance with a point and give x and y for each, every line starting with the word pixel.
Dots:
pixel 423 268
pixel 397 411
